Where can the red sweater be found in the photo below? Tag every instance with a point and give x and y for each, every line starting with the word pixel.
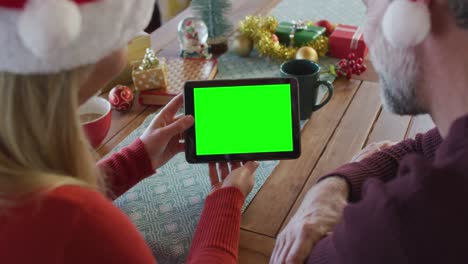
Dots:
pixel 76 225
pixel 408 204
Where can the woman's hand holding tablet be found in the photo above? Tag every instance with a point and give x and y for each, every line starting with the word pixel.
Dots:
pixel 234 174
pixel 237 120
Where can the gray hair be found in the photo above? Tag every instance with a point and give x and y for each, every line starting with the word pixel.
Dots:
pixel 460 10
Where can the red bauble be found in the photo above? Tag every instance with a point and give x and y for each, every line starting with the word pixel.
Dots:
pixel 121 98
pixel 327 25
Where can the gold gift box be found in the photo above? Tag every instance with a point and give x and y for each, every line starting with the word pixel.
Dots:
pixel 152 78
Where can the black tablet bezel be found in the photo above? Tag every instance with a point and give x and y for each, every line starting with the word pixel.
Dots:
pixel 190 146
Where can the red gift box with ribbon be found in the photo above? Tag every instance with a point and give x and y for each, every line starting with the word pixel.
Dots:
pixel 347 39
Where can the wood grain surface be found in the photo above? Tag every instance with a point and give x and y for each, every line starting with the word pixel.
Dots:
pixel 348 138
pixel 389 127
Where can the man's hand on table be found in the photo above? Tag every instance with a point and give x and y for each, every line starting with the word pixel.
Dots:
pixel 372 149
pixel 161 138
pixel 319 212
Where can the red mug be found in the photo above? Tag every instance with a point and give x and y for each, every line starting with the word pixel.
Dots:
pixel 96 117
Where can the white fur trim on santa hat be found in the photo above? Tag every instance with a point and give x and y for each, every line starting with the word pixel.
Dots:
pixel 106 25
pixel 406 23
pixel 48 25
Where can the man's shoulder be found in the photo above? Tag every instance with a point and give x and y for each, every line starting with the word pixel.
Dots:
pixel 429 203
pixel 422 179
pixel 419 193
pixel 420 215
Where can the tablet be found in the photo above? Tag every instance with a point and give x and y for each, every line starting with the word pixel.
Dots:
pixel 241 120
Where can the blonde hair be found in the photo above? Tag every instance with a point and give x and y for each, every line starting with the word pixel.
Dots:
pixel 42 145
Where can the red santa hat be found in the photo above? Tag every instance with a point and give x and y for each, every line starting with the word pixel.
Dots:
pixel 48 36
pixel 407 23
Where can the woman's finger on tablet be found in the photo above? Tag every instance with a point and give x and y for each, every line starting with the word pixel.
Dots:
pixel 235 165
pixel 214 179
pixel 180 147
pixel 224 170
pixel 179 116
pixel 242 178
pixel 170 110
pixel 251 167
pixel 178 127
pixel 167 115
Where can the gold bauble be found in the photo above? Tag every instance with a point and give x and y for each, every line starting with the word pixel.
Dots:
pixel 243 46
pixel 307 53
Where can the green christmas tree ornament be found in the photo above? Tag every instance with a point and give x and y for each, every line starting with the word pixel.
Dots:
pixel 214 14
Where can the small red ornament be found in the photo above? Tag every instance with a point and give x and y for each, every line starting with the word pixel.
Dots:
pixel 121 98
pixel 327 25
pixel 351 66
pixel 274 38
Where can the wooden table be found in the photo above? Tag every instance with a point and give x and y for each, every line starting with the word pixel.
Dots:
pixel 352 119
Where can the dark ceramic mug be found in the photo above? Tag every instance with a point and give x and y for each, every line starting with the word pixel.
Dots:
pixel 307 74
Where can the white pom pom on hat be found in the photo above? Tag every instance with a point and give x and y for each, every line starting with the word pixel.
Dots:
pixel 46 26
pixel 50 36
pixel 407 23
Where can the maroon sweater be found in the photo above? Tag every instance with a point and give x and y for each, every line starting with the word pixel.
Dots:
pixel 408 204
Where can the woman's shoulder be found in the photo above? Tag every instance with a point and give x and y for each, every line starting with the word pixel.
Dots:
pixel 73 195
pixel 83 201
pixel 73 198
pixel 100 224
pixel 79 207
pixel 79 223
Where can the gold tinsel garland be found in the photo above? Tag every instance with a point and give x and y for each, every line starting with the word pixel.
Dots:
pixel 261 29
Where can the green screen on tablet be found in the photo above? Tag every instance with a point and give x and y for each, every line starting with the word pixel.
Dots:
pixel 244 119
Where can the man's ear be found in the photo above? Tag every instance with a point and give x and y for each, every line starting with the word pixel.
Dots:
pixel 407 23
